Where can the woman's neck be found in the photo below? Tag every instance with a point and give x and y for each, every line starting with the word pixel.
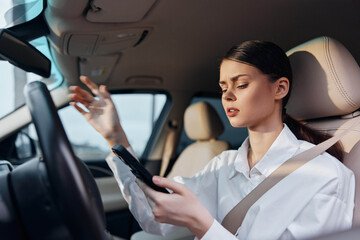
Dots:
pixel 260 140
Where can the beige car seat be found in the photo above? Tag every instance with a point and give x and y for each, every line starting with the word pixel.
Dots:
pixel 326 95
pixel 202 124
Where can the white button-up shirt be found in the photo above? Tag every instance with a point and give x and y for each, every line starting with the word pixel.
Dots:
pixel 315 199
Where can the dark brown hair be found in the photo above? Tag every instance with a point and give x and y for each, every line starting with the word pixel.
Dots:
pixel 272 61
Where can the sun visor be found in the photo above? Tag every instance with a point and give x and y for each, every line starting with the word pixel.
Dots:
pixel 98 68
pixel 104 42
pixel 119 11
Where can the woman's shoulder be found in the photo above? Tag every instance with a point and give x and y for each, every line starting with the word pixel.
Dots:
pixel 327 174
pixel 327 164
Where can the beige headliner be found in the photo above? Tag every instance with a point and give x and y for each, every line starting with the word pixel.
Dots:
pixel 189 37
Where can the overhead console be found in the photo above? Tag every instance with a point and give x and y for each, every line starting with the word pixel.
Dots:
pixel 100 52
pixel 89 44
pixel 94 34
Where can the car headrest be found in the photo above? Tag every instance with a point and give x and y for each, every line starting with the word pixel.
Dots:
pixel 201 122
pixel 326 80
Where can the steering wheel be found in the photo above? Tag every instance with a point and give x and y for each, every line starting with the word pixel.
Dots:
pixel 56 196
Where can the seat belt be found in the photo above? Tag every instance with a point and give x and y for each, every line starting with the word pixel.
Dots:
pixel 169 147
pixel 235 217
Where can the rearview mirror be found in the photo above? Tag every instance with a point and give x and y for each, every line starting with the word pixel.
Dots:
pixel 23 55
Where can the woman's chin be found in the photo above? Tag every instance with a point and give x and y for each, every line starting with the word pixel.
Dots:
pixel 238 124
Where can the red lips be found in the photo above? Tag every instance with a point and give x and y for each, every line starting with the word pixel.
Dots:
pixel 232 112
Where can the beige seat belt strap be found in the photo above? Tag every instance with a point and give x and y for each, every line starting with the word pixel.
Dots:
pixel 235 217
pixel 169 148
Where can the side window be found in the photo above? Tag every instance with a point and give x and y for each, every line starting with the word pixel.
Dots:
pixel 138 114
pixel 234 136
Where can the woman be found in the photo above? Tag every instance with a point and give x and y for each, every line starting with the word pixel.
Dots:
pixel 255 80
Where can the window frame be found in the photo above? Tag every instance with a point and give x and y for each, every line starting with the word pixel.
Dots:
pixel 158 123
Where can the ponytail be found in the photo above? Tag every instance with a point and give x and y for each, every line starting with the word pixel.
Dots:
pixel 303 132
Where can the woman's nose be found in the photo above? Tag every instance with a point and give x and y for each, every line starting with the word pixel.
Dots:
pixel 228 95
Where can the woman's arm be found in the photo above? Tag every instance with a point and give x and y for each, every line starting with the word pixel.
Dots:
pixel 101 113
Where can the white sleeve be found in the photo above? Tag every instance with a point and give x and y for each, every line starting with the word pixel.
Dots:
pixel 216 232
pixel 135 197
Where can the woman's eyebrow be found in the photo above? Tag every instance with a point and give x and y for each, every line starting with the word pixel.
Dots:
pixel 234 78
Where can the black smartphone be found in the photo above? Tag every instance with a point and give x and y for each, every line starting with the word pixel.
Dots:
pixel 136 168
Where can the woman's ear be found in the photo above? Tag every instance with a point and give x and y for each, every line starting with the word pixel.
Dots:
pixel 282 88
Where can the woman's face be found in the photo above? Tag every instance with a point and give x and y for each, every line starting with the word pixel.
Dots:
pixel 248 97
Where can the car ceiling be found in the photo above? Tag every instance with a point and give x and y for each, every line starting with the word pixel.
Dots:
pixel 186 38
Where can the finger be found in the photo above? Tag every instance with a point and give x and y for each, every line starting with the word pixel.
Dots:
pixel 79 109
pixel 90 84
pixel 167 183
pixel 148 191
pixel 82 93
pixel 78 99
pixel 104 91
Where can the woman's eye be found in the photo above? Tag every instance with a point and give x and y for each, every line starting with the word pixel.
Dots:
pixel 222 90
pixel 242 86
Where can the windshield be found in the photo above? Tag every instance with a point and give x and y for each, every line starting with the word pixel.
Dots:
pixel 14 12
pixel 13 79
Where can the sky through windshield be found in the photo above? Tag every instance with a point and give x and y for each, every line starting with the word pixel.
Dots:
pixel 14 12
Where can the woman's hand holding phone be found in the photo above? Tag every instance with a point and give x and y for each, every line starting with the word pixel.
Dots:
pixel 181 207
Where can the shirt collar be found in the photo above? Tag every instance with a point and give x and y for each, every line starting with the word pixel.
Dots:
pixel 284 147
pixel 241 164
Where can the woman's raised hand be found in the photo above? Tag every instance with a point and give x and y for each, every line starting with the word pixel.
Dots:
pixel 180 208
pixel 101 112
